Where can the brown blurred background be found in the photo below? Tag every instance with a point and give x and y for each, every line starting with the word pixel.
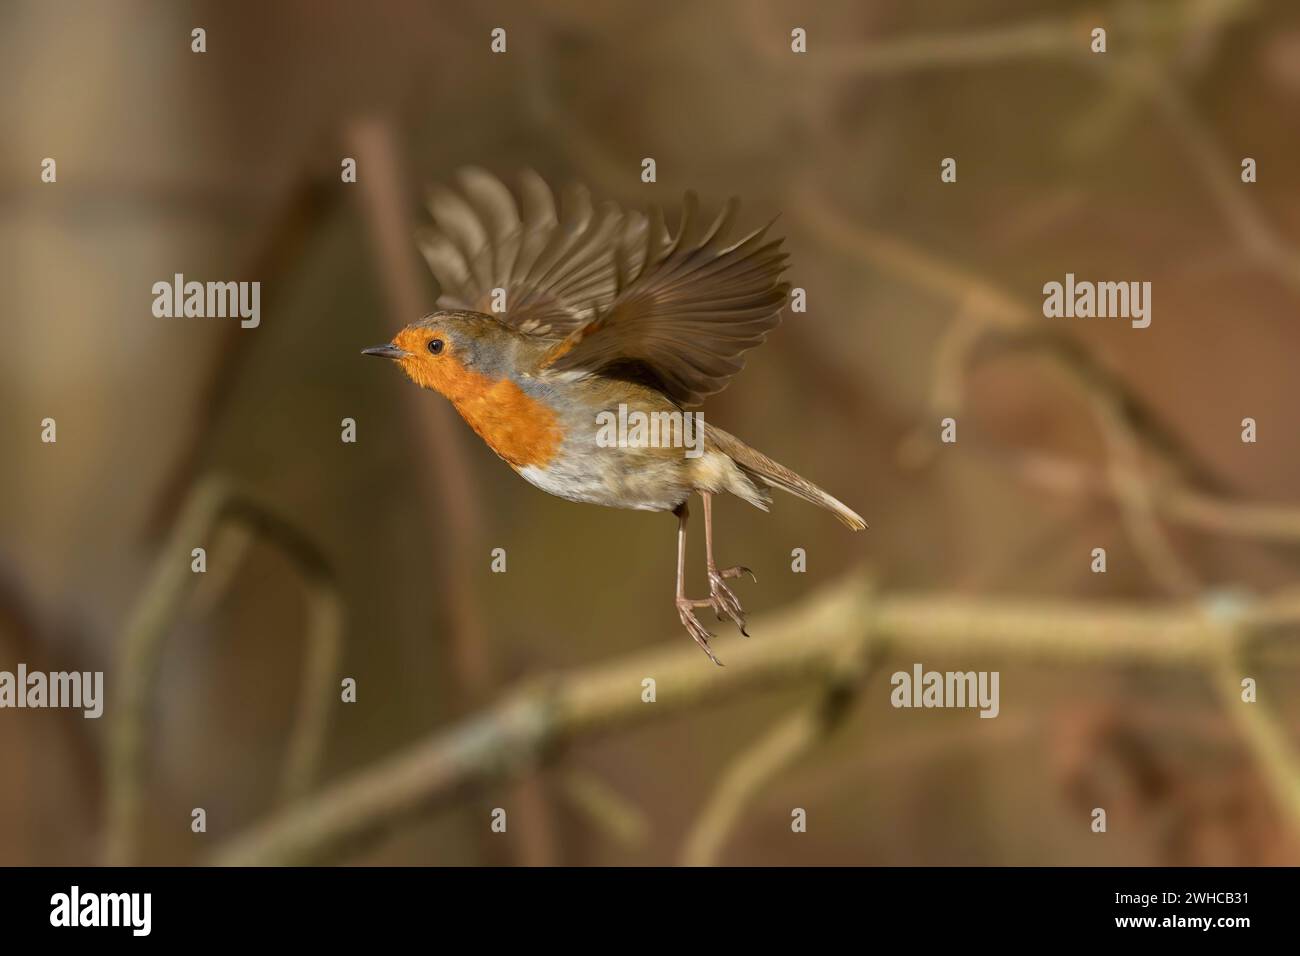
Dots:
pixel 225 166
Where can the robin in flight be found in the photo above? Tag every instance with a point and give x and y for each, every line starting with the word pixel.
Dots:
pixel 554 324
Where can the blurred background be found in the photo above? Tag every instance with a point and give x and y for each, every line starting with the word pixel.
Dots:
pixel 924 301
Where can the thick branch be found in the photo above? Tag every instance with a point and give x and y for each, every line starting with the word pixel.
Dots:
pixel 807 642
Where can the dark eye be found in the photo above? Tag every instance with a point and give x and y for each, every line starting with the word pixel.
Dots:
pixel 436 346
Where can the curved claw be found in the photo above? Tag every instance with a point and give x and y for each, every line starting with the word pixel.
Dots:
pixel 698 632
pixel 737 571
pixel 724 600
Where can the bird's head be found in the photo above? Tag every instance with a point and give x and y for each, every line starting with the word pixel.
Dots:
pixel 455 353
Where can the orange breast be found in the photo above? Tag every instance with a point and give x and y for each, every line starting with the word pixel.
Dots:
pixel 516 426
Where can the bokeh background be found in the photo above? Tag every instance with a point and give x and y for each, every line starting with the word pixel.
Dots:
pixel 924 301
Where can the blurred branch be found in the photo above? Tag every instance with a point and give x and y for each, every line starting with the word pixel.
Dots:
pixel 1124 420
pixel 532 722
pixel 988 316
pixel 297 218
pixel 323 653
pixel 1192 495
pixel 617 816
pixel 1261 730
pixel 451 499
pixel 1274 524
pixel 1220 173
pixel 795 734
pixel 213 504
pixel 45 645
pixel 802 643
pixel 983 306
pixel 1135 496
pixel 1139 71
pixel 1048 39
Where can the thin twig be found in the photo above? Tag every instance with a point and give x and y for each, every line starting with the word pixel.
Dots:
pixel 323 652
pixel 617 817
pixel 793 735
pixel 213 503
pixel 295 221
pixel 1136 499
pixel 1202 511
pixel 1056 40
pixel 1261 730
pixel 1220 173
pixel 1007 324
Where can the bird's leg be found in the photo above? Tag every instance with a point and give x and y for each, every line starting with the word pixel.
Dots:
pixel 686 606
pixel 724 601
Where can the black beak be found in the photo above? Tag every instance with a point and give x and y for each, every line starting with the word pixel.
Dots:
pixel 386 351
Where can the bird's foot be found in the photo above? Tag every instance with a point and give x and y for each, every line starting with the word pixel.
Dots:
pixel 723 600
pixel 686 611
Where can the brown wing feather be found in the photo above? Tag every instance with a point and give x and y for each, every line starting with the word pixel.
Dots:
pixel 558 270
pixel 686 313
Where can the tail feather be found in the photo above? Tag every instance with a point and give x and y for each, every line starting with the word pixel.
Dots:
pixel 763 469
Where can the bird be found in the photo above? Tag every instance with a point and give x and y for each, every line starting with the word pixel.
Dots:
pixel 555 319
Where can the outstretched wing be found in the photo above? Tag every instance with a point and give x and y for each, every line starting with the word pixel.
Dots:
pixel 558 270
pixel 687 307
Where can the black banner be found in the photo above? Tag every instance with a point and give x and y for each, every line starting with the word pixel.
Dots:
pixel 361 904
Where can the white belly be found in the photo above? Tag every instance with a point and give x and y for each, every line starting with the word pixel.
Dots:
pixel 650 486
